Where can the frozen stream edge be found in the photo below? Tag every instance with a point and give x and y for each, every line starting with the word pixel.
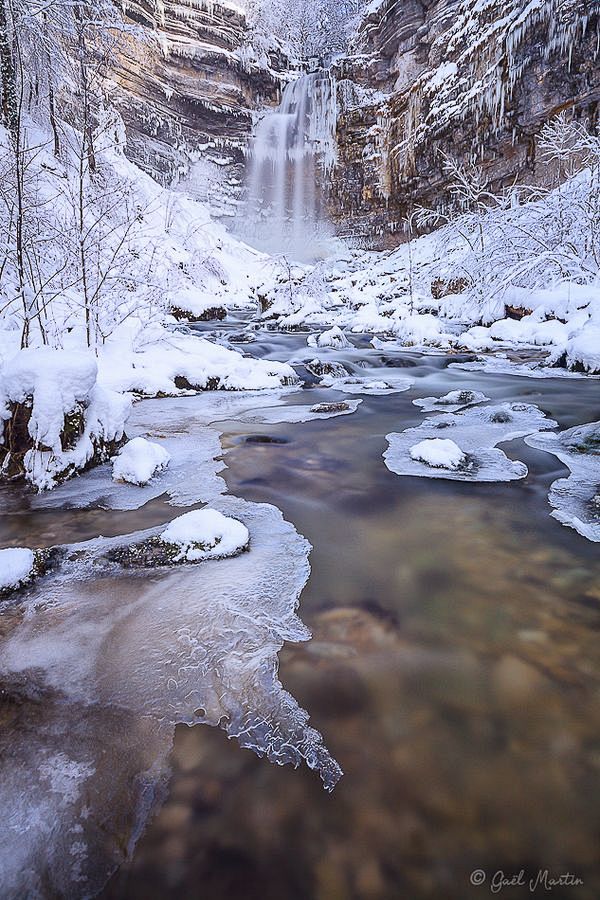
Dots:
pixel 122 658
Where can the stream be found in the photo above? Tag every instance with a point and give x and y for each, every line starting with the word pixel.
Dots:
pixel 452 671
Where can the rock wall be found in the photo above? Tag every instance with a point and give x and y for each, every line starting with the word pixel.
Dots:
pixel 470 80
pixel 186 84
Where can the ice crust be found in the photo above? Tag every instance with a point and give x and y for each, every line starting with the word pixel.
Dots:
pixel 576 499
pixel 120 659
pixel 476 431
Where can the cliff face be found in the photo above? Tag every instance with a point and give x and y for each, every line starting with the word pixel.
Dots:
pixel 472 80
pixel 186 86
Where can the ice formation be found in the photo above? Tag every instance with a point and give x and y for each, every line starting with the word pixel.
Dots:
pixel 452 401
pixel 295 414
pixel 377 382
pixel 476 432
pixel 576 499
pixel 120 659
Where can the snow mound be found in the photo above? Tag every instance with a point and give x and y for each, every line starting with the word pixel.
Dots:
pixel 139 460
pixel 206 534
pixel 476 432
pixel 335 339
pixel 440 453
pixel 451 402
pixel 16 566
pixel 576 499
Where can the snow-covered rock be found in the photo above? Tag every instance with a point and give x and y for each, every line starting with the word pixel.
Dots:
pixel 16 567
pixel 67 420
pixel 439 453
pixel 452 401
pixel 167 363
pixel 139 461
pixel 206 534
pixel 582 352
pixel 335 339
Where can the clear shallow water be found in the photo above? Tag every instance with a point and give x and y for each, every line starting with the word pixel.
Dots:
pixel 453 673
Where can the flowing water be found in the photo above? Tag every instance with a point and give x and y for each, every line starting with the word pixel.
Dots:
pixel 290 147
pixel 453 669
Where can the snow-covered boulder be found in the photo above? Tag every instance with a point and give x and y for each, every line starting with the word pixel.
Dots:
pixel 139 460
pixel 56 419
pixel 16 567
pixel 334 339
pixel 439 453
pixel 206 534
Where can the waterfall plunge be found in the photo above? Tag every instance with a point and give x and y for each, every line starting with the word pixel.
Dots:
pixel 291 147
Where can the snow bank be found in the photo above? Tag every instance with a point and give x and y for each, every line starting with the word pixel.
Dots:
pixel 16 567
pixel 139 460
pixel 163 363
pixel 581 352
pixel 206 534
pixel 439 453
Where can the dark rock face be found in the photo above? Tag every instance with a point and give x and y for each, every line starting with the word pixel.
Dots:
pixel 439 77
pixel 183 84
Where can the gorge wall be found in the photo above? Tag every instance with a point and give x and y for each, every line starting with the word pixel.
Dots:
pixel 473 80
pixel 186 83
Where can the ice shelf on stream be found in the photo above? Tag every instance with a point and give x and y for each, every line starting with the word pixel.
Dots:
pixel 576 499
pixel 107 661
pixel 475 432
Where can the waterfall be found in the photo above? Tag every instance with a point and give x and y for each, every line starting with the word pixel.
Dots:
pixel 291 148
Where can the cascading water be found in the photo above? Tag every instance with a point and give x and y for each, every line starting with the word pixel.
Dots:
pixel 291 148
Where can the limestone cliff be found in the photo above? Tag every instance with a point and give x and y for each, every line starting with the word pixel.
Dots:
pixel 470 79
pixel 186 85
